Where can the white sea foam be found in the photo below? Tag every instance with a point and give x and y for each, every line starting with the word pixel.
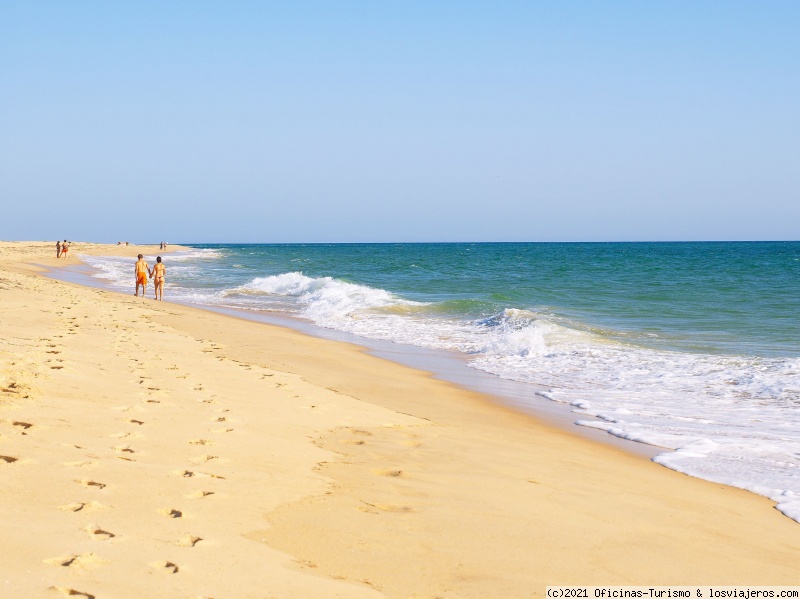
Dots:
pixel 192 255
pixel 325 300
pixel 729 419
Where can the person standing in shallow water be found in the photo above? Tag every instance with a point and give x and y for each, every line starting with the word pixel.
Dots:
pixel 158 274
pixel 141 275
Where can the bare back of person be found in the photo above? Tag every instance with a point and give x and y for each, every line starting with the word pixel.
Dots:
pixel 159 275
pixel 141 271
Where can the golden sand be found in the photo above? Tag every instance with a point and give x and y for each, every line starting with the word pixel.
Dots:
pixel 154 450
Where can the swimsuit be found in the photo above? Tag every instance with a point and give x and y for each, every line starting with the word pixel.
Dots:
pixel 141 274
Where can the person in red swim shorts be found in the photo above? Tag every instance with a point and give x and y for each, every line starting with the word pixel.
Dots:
pixel 141 275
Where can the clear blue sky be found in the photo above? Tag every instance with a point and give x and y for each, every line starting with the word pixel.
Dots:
pixel 399 121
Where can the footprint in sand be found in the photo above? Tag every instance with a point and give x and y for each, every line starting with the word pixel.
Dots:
pixel 188 541
pixel 169 567
pixel 201 442
pixel 84 561
pixel 91 483
pixel 199 494
pixel 22 425
pixel 88 506
pixel 170 513
pixel 98 533
pixel 68 592
pixel 191 474
pixel 390 473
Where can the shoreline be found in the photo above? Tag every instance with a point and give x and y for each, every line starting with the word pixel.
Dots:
pixel 439 363
pixel 250 461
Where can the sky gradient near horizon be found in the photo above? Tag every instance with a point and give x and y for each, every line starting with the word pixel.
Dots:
pixel 399 121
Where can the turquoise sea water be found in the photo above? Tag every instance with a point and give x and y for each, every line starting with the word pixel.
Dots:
pixel 694 347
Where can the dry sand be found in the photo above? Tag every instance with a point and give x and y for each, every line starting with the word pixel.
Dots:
pixel 154 450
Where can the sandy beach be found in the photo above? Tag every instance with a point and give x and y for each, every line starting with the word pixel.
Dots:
pixel 156 450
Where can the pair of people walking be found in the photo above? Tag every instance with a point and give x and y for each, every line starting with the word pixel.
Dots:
pixel 157 273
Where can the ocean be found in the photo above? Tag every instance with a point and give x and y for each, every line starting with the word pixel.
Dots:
pixel 689 347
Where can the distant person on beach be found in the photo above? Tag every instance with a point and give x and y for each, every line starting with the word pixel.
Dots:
pixel 158 274
pixel 58 249
pixel 141 275
pixel 64 248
